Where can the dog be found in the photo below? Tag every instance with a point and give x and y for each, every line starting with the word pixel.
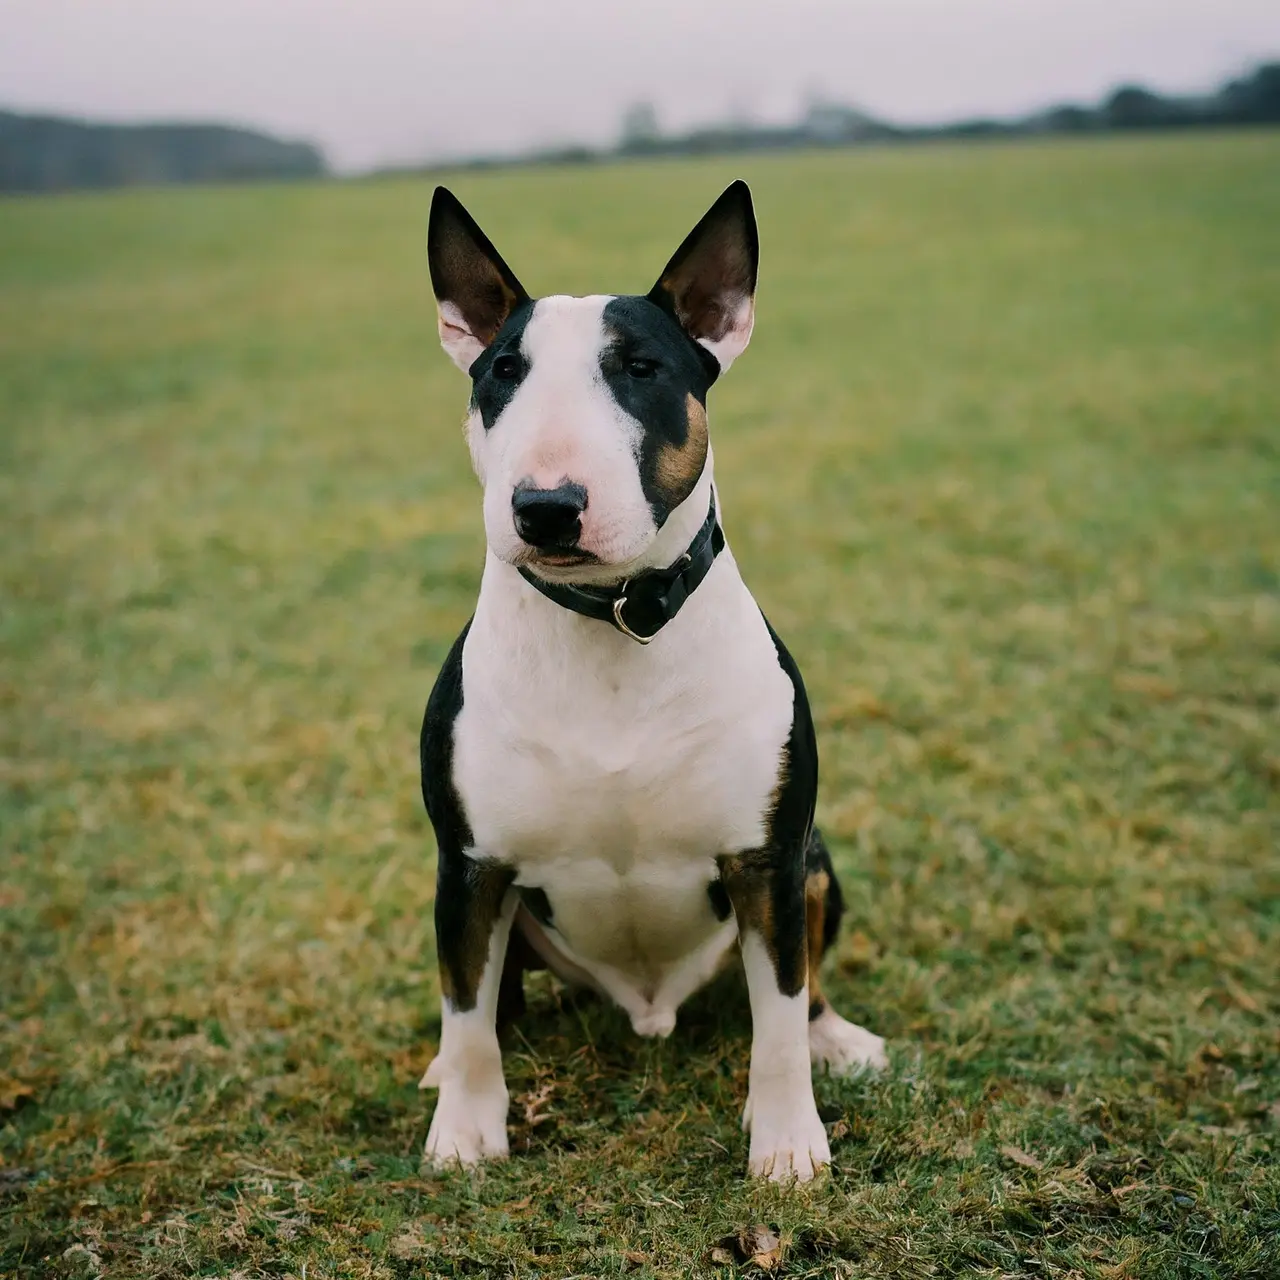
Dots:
pixel 618 757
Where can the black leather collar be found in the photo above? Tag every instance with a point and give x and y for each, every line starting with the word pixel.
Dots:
pixel 641 606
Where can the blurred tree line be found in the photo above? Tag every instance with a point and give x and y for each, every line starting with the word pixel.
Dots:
pixel 46 153
pixel 1253 99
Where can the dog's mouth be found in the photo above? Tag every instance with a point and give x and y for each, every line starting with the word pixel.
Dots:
pixel 567 559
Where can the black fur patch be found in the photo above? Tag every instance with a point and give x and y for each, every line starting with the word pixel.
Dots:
pixel 435 752
pixel 767 885
pixel 790 829
pixel 652 367
pixel 491 393
pixel 537 904
pixel 720 903
pixel 469 894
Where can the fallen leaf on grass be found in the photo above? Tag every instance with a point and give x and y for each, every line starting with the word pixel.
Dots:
pixel 535 1101
pixel 765 1248
pixel 755 1246
pixel 1018 1156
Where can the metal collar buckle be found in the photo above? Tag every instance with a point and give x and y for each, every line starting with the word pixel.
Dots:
pixel 622 626
pixel 620 603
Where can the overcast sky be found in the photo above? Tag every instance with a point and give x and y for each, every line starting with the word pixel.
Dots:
pixel 376 81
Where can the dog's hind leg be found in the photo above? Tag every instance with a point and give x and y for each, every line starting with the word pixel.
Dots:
pixel 521 959
pixel 474 907
pixel 839 1046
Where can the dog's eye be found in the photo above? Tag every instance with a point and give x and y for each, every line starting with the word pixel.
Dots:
pixel 507 368
pixel 638 367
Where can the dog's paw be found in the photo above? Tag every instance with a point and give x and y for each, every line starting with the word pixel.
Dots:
pixel 654 1022
pixel 844 1048
pixel 787 1145
pixel 468 1127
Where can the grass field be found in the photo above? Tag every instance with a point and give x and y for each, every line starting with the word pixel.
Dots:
pixel 1002 465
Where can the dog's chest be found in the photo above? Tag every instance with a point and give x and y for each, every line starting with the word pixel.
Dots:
pixel 611 780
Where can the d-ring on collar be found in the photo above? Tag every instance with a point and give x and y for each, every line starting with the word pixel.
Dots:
pixel 641 606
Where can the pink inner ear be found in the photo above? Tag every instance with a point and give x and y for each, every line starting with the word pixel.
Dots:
pixel 456 335
pixel 453 325
pixel 452 332
pixel 736 320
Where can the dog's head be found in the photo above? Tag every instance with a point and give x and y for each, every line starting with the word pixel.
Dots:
pixel 588 421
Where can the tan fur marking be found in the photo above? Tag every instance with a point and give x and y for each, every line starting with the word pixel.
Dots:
pixel 750 880
pixel 749 888
pixel 816 886
pixel 679 466
pixel 460 973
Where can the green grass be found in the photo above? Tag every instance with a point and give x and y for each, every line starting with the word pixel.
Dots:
pixel 1003 466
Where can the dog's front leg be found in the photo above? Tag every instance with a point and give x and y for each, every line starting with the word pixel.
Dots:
pixel 766 890
pixel 474 908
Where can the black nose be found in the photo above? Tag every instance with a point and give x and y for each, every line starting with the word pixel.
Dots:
pixel 549 517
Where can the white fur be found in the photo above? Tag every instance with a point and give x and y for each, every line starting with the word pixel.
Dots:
pixel 456 337
pixel 470 1121
pixel 787 1137
pixel 652 1009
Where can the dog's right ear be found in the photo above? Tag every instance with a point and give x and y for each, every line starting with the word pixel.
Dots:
pixel 475 290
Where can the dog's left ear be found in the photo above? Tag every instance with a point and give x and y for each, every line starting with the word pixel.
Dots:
pixel 475 290
pixel 710 283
